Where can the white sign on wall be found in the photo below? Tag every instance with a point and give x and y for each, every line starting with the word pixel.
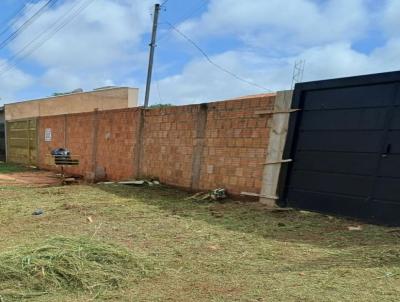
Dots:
pixel 47 135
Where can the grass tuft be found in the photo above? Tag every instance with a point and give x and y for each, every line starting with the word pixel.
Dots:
pixel 13 168
pixel 73 264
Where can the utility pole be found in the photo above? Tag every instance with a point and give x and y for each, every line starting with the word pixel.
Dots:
pixel 151 56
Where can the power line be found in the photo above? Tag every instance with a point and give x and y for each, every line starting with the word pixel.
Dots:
pixel 165 35
pixel 16 57
pixel 164 3
pixel 48 30
pixel 14 18
pixel 213 63
pixel 59 26
pixel 26 24
pixel 157 81
pixel 187 16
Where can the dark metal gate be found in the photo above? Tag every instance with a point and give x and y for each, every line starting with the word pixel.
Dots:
pixel 345 146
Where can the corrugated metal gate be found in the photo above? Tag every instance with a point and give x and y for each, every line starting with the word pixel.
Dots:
pixel 2 143
pixel 345 143
pixel 22 141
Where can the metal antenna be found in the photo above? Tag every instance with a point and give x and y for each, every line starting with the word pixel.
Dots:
pixel 298 71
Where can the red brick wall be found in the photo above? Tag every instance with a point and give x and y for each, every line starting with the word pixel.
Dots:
pixel 223 143
pixel 115 141
pixel 80 138
pixel 56 124
pixel 236 144
pixel 77 136
pixel 168 144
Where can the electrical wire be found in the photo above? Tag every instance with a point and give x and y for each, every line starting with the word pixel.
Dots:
pixel 164 3
pixel 165 35
pixel 26 24
pixel 215 64
pixel 14 18
pixel 45 32
pixel 157 81
pixel 59 25
pixel 187 16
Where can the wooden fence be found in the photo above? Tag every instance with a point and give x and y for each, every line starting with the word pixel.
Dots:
pixel 22 141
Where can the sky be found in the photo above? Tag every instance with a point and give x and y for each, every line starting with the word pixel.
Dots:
pixel 251 45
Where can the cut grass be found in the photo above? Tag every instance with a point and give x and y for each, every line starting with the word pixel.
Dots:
pixel 64 263
pixel 210 251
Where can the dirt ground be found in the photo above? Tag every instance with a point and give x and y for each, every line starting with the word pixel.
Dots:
pixel 35 179
pixel 203 251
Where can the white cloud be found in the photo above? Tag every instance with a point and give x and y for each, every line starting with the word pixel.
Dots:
pixel 65 79
pixel 282 25
pixel 391 17
pixel 274 36
pixel 99 36
pixel 12 81
pixel 199 81
pixel 340 60
pixel 103 41
pixel 104 44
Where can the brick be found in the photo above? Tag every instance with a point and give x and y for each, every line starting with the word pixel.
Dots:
pixel 235 141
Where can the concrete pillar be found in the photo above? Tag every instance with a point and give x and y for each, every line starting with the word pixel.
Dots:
pixel 276 145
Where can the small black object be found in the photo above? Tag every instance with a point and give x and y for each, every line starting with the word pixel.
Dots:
pixel 61 153
pixel 38 212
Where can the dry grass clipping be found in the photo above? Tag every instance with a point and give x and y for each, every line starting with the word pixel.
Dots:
pixel 73 264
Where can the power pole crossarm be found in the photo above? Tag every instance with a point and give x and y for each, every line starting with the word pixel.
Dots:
pixel 151 55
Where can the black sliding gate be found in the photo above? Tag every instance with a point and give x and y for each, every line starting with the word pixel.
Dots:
pixel 345 146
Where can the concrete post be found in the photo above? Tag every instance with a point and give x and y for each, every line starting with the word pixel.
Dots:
pixel 276 145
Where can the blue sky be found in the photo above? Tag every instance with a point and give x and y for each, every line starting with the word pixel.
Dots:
pixel 257 40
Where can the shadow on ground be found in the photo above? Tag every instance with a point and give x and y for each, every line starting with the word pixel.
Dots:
pixel 253 218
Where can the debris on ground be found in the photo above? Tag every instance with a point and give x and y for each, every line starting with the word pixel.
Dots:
pixel 106 183
pixel 131 182
pixel 217 194
pixel 69 180
pixel 38 212
pixel 150 182
pixel 355 228
pixel 217 214
pixel 135 182
pixel 214 247
pixel 89 219
pixel 74 264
